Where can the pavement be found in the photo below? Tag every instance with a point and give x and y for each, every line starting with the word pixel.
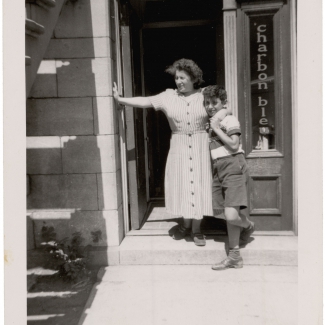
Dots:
pixel 193 294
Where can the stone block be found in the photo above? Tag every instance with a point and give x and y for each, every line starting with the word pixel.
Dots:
pixel 59 116
pixel 98 228
pixel 27 185
pixel 43 155
pixel 114 226
pixel 90 154
pixel 30 234
pixel 45 85
pixel 59 220
pixel 63 192
pixel 92 226
pixel 104 256
pixel 109 190
pixel 105 115
pixel 83 18
pixel 84 78
pixel 75 48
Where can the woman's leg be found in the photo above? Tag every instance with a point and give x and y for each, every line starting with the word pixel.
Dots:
pixel 197 236
pixel 183 229
pixel 196 226
pixel 187 223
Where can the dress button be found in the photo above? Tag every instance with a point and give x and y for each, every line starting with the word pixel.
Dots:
pixel 192 193
pixel 190 146
pixel 191 169
pixel 188 123
pixel 190 135
pixel 188 104
pixel 190 158
pixel 192 205
pixel 188 113
pixel 191 182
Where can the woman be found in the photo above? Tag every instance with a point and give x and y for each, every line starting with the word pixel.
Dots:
pixel 188 169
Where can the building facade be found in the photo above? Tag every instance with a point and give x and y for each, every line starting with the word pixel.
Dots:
pixel 95 168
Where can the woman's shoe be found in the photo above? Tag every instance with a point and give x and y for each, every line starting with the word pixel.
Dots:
pixel 199 239
pixel 228 263
pixel 181 232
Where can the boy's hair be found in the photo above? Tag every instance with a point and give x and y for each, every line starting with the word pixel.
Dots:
pixel 215 91
pixel 190 67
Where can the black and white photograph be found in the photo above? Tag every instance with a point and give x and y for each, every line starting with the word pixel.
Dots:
pixel 163 162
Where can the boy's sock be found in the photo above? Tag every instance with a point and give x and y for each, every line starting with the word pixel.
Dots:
pixel 234 253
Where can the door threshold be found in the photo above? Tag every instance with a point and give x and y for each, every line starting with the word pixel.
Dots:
pixel 165 232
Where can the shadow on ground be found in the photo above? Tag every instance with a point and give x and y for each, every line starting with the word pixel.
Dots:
pixel 50 300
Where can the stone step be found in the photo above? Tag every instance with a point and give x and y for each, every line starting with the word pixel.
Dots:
pixel 216 232
pixel 155 250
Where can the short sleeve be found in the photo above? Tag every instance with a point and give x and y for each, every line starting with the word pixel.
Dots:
pixel 159 101
pixel 233 126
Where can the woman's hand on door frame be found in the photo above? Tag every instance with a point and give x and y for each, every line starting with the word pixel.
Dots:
pixel 140 102
pixel 116 94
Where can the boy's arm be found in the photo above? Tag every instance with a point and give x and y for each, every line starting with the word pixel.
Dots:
pixel 232 142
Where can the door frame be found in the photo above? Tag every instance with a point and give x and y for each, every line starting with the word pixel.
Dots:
pixel 293 24
pixel 293 40
pixel 121 122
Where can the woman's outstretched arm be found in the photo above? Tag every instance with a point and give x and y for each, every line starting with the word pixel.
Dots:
pixel 141 102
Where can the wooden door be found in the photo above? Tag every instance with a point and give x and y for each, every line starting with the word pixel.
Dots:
pixel 131 63
pixel 265 110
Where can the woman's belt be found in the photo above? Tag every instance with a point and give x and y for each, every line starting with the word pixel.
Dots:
pixel 189 132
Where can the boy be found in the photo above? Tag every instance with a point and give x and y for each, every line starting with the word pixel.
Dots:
pixel 230 175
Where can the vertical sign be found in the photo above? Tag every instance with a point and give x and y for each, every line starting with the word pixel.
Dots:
pixel 262 82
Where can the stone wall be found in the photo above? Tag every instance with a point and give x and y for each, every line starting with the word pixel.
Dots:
pixel 73 157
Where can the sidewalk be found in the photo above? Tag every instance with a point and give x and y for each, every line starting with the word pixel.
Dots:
pixel 193 294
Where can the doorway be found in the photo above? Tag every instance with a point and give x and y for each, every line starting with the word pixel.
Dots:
pixel 161 47
pixel 153 35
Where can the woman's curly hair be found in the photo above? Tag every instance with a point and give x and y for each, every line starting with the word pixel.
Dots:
pixel 190 67
pixel 215 91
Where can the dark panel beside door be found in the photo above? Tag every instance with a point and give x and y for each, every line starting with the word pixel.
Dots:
pixel 264 93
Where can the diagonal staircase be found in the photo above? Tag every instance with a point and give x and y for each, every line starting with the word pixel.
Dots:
pixel 40 21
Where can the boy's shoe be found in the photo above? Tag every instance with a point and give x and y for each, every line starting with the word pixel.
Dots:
pixel 229 262
pixel 181 232
pixel 247 232
pixel 199 239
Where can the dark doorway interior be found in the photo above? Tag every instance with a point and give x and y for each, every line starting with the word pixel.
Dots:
pixel 161 47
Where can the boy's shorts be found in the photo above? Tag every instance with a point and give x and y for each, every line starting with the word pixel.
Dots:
pixel 230 179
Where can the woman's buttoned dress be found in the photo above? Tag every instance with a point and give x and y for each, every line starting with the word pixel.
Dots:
pixel 188 176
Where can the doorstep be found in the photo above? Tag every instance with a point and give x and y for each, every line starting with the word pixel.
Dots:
pixel 163 250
